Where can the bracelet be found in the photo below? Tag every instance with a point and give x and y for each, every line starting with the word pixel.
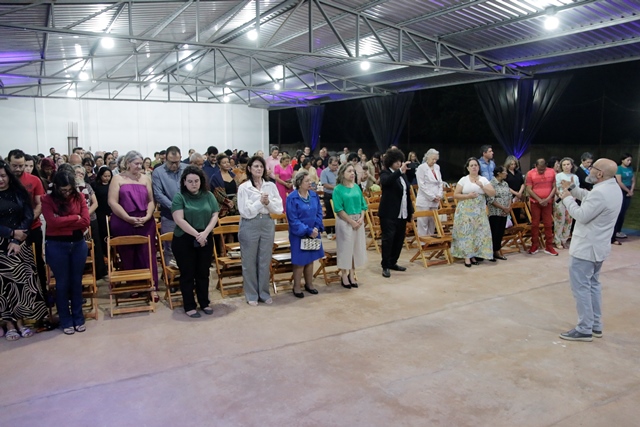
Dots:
pixel 16 241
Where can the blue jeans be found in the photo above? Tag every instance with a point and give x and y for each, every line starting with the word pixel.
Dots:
pixel 67 261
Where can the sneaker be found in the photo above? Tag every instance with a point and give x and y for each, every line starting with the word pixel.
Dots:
pixel 173 263
pixel 597 334
pixel 533 250
pixel 574 335
pixel 621 235
pixel 269 301
pixel 551 251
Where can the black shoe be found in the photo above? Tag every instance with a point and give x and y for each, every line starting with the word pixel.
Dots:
pixel 492 260
pixel 353 284
pixel 475 262
pixel 311 291
pixel 503 258
pixel 386 272
pixel 347 286
pixel 574 335
pixel 479 259
pixel 298 295
pixel 467 265
pixel 398 268
pixel 597 334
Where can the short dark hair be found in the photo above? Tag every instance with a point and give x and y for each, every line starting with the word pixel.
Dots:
pixel 485 148
pixel 15 183
pixel 193 170
pixel 76 149
pixel 498 170
pixel 16 154
pixel 243 160
pixel 173 150
pixel 163 152
pixel 352 156
pixel 552 161
pixel 469 160
pixel 88 161
pixel 221 157
pixel 30 158
pixel 586 156
pixel 391 156
pixel 212 150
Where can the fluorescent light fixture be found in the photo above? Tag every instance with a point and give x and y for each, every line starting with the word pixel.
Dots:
pixel 71 93
pixel 551 23
pixel 153 85
pixel 83 75
pixel 148 54
pixel 226 98
pixel 189 66
pixel 276 86
pixel 365 65
pixel 78 49
pixel 107 42
pixel 253 35
pixel 150 70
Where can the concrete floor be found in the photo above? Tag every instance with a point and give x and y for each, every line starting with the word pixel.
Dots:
pixel 447 346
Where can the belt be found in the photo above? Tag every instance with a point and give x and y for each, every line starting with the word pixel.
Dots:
pixel 259 216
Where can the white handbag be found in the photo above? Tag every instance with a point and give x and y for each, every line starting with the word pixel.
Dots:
pixel 309 244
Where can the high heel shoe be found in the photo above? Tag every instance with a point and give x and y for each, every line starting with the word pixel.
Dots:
pixel 298 295
pixel 474 261
pixel 311 291
pixel 353 284
pixel 467 265
pixel 348 286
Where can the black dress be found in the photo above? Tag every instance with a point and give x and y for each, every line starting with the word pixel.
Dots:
pixel 103 211
pixel 20 293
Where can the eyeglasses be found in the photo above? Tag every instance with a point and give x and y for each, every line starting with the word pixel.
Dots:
pixel 593 167
pixel 66 190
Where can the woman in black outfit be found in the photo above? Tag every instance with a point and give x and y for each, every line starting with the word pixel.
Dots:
pixel 101 188
pixel 515 180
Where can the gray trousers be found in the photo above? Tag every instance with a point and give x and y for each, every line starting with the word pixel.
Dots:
pixel 587 291
pixel 166 226
pixel 256 238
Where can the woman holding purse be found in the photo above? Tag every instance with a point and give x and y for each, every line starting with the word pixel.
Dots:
pixel 304 215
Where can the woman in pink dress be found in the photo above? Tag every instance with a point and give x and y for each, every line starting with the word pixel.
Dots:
pixel 284 174
pixel 131 200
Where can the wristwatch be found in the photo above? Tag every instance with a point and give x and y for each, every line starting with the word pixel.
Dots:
pixel 571 187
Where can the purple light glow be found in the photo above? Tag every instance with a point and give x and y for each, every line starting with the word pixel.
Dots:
pixel 17 57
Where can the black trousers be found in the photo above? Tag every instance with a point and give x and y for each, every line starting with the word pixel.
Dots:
pixel 328 211
pixel 36 237
pixel 497 225
pixel 194 263
pixel 393 233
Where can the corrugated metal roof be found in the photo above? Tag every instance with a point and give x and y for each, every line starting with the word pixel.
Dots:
pixel 202 51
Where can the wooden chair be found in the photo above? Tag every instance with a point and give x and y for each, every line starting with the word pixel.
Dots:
pixel 374 230
pixel 125 282
pixel 170 275
pixel 228 269
pixel 434 249
pixel 281 266
pixel 281 242
pixel 446 215
pixel 512 240
pixel 89 283
pixel 329 263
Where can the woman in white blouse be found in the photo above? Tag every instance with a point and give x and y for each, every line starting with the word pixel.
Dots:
pixel 258 197
pixel 429 190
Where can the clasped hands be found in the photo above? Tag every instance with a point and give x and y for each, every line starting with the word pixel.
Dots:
pixel 355 224
pixel 201 238
pixel 138 221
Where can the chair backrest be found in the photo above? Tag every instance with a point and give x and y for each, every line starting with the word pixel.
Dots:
pixel 229 219
pixel 166 237
pixel 279 217
pixel 114 242
pixel 221 230
pixel 515 206
pixel 434 215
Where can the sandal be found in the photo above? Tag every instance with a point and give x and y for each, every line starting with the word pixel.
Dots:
pixel 617 243
pixel 12 335
pixel 80 328
pixel 25 332
pixel 69 331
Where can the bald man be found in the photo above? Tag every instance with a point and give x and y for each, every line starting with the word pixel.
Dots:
pixel 75 159
pixel 591 244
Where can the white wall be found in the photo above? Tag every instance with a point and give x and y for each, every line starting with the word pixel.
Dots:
pixel 34 125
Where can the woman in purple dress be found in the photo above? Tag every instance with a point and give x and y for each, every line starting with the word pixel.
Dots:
pixel 131 200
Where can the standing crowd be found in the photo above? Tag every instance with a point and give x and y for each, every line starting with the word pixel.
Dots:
pixel 85 196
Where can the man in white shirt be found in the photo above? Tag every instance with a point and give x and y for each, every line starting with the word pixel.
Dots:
pixel 590 246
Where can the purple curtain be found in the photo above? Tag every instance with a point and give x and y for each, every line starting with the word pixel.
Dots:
pixel 515 109
pixel 310 120
pixel 387 116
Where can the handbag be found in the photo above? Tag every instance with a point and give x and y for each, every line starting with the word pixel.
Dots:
pixel 309 244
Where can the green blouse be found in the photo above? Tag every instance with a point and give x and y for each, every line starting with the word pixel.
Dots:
pixel 198 209
pixel 348 199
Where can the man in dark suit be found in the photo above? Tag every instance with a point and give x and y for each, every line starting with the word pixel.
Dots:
pixel 395 209
pixel 583 170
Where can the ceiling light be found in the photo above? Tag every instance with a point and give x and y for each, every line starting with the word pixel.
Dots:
pixel 226 98
pixel 107 42
pixel 189 66
pixel 148 55
pixel 150 70
pixel 365 65
pixel 551 23
pixel 67 75
pixel 83 75
pixel 75 37
pixel 185 46
pixel 276 86
pixel 253 35
pixel 153 85
pixel 71 93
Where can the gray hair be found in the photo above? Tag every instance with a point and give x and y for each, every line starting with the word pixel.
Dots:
pixel 432 152
pixel 195 156
pixel 130 157
pixel 79 167
pixel 297 180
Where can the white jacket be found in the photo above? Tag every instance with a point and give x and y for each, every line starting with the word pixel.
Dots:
pixel 595 218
